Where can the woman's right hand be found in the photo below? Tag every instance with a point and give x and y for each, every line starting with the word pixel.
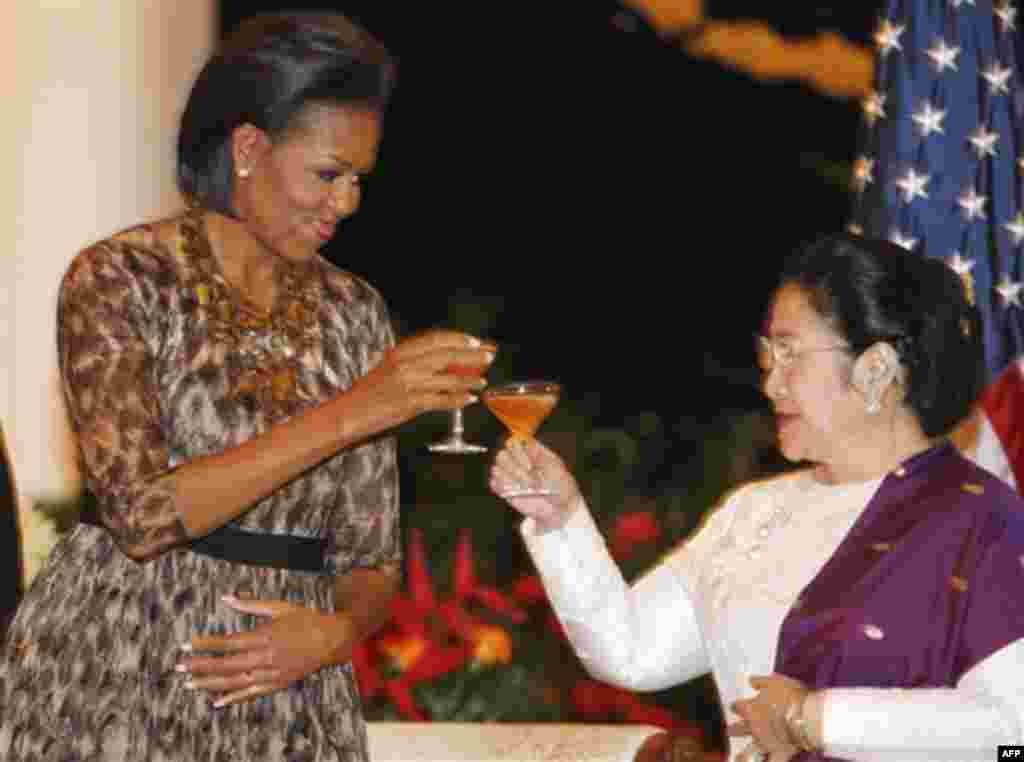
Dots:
pixel 413 378
pixel 526 464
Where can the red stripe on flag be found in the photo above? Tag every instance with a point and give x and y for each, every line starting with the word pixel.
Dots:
pixel 1003 403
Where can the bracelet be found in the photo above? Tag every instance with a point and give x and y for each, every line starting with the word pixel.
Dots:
pixel 798 726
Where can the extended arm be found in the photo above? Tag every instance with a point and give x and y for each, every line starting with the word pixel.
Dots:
pixel 643 637
pixel 110 326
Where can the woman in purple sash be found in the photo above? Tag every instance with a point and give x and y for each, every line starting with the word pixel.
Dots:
pixel 867 607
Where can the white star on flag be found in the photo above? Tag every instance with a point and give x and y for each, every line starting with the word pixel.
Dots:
pixel 984 141
pixel 947 98
pixel 1007 15
pixel 874 107
pixel 998 78
pixel 973 204
pixel 1016 228
pixel 1010 291
pixel 912 185
pixel 929 119
pixel 863 169
pixel 899 239
pixel 943 55
pixel 887 38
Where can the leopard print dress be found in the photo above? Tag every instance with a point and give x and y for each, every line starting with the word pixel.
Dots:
pixel 161 365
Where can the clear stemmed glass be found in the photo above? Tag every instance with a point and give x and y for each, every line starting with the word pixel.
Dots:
pixel 454 443
pixel 522 406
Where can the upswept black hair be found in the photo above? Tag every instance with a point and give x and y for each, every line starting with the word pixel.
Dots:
pixel 267 71
pixel 872 290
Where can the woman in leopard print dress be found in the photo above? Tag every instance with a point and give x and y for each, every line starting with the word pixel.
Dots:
pixel 232 393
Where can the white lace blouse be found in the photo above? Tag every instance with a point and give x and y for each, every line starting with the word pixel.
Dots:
pixel 716 605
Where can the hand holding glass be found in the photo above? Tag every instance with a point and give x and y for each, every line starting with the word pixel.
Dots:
pixel 455 443
pixel 522 406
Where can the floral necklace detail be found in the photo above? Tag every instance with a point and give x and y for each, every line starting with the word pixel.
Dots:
pixel 271 346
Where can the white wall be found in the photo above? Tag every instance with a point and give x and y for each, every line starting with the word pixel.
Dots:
pixel 92 90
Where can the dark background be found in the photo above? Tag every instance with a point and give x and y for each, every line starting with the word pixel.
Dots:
pixel 618 207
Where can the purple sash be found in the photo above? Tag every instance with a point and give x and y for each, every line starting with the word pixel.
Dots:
pixel 928 582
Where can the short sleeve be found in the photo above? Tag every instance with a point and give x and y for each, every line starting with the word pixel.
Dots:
pixel 107 327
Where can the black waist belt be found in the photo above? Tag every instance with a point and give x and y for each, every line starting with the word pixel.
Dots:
pixel 239 546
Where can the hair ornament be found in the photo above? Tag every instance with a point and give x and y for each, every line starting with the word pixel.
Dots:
pixel 967 281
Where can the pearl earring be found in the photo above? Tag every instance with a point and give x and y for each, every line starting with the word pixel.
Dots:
pixel 243 172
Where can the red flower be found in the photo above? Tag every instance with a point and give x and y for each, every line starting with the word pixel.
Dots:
pixel 594 699
pixel 417 579
pixel 640 713
pixel 491 645
pixel 465 586
pixel 400 695
pixel 426 660
pixel 458 621
pixel 426 637
pixel 403 650
pixel 529 590
pixel 437 660
pixel 599 702
pixel 631 529
pixel 463 571
pixel 367 675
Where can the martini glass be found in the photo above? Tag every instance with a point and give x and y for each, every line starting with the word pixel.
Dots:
pixel 522 406
pixel 455 444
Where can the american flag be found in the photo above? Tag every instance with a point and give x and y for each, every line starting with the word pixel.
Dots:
pixel 939 171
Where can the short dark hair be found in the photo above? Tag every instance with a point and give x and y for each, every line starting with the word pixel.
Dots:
pixel 871 290
pixel 266 72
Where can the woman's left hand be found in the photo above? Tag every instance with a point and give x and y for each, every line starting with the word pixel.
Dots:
pixel 764 715
pixel 296 642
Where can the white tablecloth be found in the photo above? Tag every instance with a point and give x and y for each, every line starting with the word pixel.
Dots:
pixel 509 742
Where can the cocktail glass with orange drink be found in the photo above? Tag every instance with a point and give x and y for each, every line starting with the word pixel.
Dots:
pixel 455 443
pixel 522 406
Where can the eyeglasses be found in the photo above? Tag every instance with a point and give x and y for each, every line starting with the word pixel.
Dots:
pixel 782 353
